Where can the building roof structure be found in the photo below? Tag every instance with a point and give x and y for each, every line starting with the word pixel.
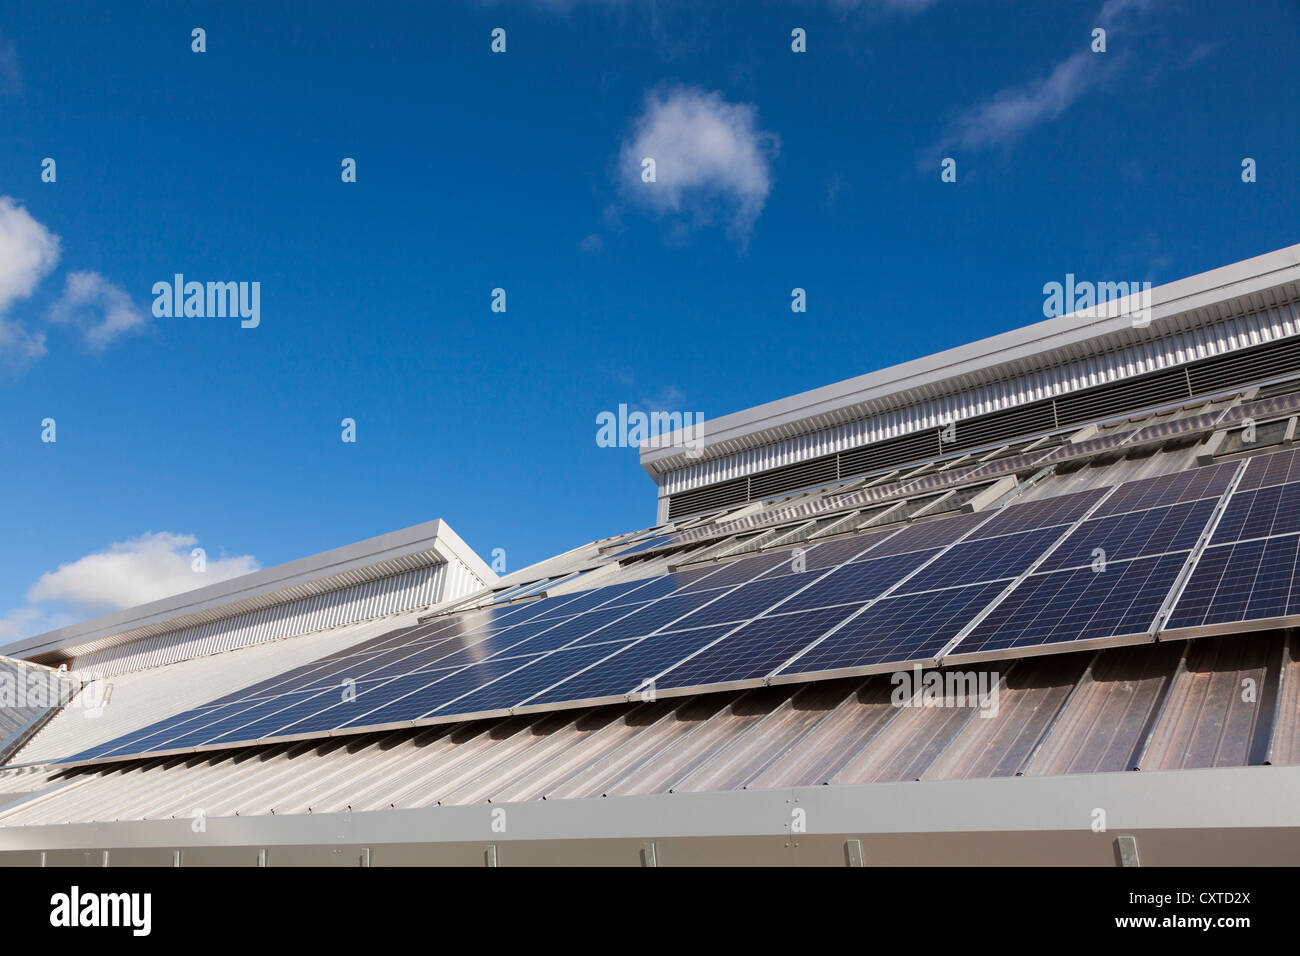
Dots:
pixel 939 613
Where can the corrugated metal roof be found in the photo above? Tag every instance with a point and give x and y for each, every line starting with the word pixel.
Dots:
pixel 138 699
pixel 1072 713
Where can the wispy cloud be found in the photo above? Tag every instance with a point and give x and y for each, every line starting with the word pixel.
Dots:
pixel 127 573
pixel 1006 116
pixel 102 311
pixel 29 252
pixel 11 78
pixel 712 161
pixel 1010 113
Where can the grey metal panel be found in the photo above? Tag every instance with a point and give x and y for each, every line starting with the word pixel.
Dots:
pixel 1106 717
pixel 840 732
pixel 1213 714
pixel 408 590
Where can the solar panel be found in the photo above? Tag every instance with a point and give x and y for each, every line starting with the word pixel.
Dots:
pixel 1279 468
pixel 1208 482
pixel 896 631
pixel 1261 513
pixel 1245 581
pixel 1043 513
pixel 986 559
pixel 1075 606
pixel 755 649
pixel 627 670
pixel 1137 534
pixel 873 601
pixel 858 581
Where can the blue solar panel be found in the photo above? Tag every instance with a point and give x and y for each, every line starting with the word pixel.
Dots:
pixel 755 649
pixel 510 690
pixel 1064 607
pixel 926 535
pixel 627 670
pixel 1141 533
pixel 1280 468
pixel 988 559
pixel 746 569
pixel 897 630
pixel 857 582
pixel 1261 513
pixel 744 620
pixel 1044 513
pixel 1208 482
pixel 1246 581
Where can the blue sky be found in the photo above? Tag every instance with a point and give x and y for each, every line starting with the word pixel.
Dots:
pixel 519 171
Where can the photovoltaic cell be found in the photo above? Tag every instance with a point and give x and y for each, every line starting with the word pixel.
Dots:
pixel 857 582
pixel 828 554
pixel 690 628
pixel 755 649
pixel 394 708
pixel 899 630
pixel 510 690
pixel 747 602
pixel 1261 513
pixel 926 535
pixel 742 570
pixel 1137 534
pixel 1208 482
pixel 1044 513
pixel 627 670
pixel 1282 467
pixel 1077 605
pixel 1246 581
pixel 987 559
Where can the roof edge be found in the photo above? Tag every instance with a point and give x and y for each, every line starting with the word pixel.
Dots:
pixel 435 536
pixel 1039 339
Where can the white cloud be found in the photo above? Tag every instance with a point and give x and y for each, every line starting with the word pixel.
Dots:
pixel 28 252
pixel 133 572
pixel 711 159
pixel 100 309
pixel 19 347
pixel 123 575
pixel 1010 113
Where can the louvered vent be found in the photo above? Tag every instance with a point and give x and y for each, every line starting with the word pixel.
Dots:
pixel 1000 426
pixel 804 474
pixel 1132 394
pixel 1168 386
pixel 709 498
pixel 1252 365
pixel 915 447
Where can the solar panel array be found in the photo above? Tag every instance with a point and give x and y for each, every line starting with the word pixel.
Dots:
pixel 1058 573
